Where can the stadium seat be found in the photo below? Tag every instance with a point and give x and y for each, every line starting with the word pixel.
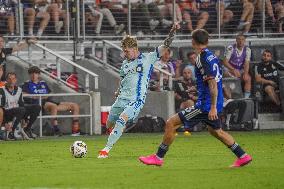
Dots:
pixel 257 50
pixel 235 85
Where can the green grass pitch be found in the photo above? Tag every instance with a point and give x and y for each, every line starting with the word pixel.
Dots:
pixel 198 161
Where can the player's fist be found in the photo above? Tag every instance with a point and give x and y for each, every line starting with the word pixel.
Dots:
pixel 237 73
pixel 176 26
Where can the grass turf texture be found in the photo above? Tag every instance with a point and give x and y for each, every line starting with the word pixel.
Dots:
pixel 199 161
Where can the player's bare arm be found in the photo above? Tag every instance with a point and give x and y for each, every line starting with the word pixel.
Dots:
pixel 213 93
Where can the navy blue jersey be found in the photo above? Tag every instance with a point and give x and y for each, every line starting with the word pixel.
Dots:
pixel 208 67
pixel 35 88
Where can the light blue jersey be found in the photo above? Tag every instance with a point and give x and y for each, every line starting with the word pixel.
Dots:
pixel 135 76
pixel 134 80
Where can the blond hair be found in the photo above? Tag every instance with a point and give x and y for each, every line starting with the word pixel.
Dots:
pixel 129 41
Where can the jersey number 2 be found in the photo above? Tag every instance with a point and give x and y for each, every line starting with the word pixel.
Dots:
pixel 218 76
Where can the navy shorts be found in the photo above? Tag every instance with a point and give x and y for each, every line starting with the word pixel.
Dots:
pixel 191 116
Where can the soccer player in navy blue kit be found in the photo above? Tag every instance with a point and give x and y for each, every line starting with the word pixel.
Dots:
pixel 207 108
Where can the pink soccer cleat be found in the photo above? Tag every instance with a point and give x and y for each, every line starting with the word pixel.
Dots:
pixel 151 160
pixel 242 161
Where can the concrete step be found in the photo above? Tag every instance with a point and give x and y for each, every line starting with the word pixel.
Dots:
pixel 271 125
pixel 269 117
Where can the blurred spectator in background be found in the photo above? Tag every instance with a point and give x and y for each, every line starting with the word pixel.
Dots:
pixel 185 90
pixel 97 14
pixel 37 86
pixel 268 9
pixel 167 12
pixel 166 62
pixel 2 83
pixel 36 9
pixel 7 13
pixel 4 52
pixel 57 12
pixel 279 10
pixel 118 9
pixel 141 17
pixel 192 15
pixel 237 60
pixel 247 8
pixel 266 73
pixel 53 8
pixel 213 8
pixel 14 109
pixel 191 58
pixel 94 18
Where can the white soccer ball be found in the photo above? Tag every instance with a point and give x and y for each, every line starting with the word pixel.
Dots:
pixel 78 149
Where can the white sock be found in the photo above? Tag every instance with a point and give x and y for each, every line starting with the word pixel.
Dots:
pixel 31 31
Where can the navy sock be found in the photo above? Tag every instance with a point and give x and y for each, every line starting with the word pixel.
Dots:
pixel 237 150
pixel 162 150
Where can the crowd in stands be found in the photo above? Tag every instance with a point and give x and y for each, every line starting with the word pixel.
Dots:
pixel 236 64
pixel 17 111
pixel 147 16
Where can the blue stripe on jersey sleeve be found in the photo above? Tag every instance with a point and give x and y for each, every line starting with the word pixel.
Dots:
pixel 157 51
pixel 139 85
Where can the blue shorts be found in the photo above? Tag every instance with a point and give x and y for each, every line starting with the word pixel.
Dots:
pixel 129 108
pixel 191 116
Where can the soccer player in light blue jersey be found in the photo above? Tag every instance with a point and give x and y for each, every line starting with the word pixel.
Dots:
pixel 207 109
pixel 135 74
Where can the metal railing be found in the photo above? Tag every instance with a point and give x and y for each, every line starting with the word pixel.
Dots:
pixel 135 19
pixel 87 73
pixel 41 116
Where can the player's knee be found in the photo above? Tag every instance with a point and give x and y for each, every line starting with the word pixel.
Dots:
pixel 268 89
pixel 170 125
pixel 219 133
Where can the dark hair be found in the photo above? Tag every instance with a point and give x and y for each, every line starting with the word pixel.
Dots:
pixel 267 51
pixel 34 69
pixel 200 36
pixel 9 74
pixel 190 53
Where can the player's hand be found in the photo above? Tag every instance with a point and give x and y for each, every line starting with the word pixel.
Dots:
pixel 237 73
pixel 176 26
pixel 116 94
pixel 31 40
pixel 213 114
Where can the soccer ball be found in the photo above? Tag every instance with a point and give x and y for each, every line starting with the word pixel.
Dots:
pixel 78 149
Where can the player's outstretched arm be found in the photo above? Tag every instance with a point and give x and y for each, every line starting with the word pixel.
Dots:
pixel 168 41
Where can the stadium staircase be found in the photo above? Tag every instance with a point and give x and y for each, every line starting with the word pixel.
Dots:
pixel 43 57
